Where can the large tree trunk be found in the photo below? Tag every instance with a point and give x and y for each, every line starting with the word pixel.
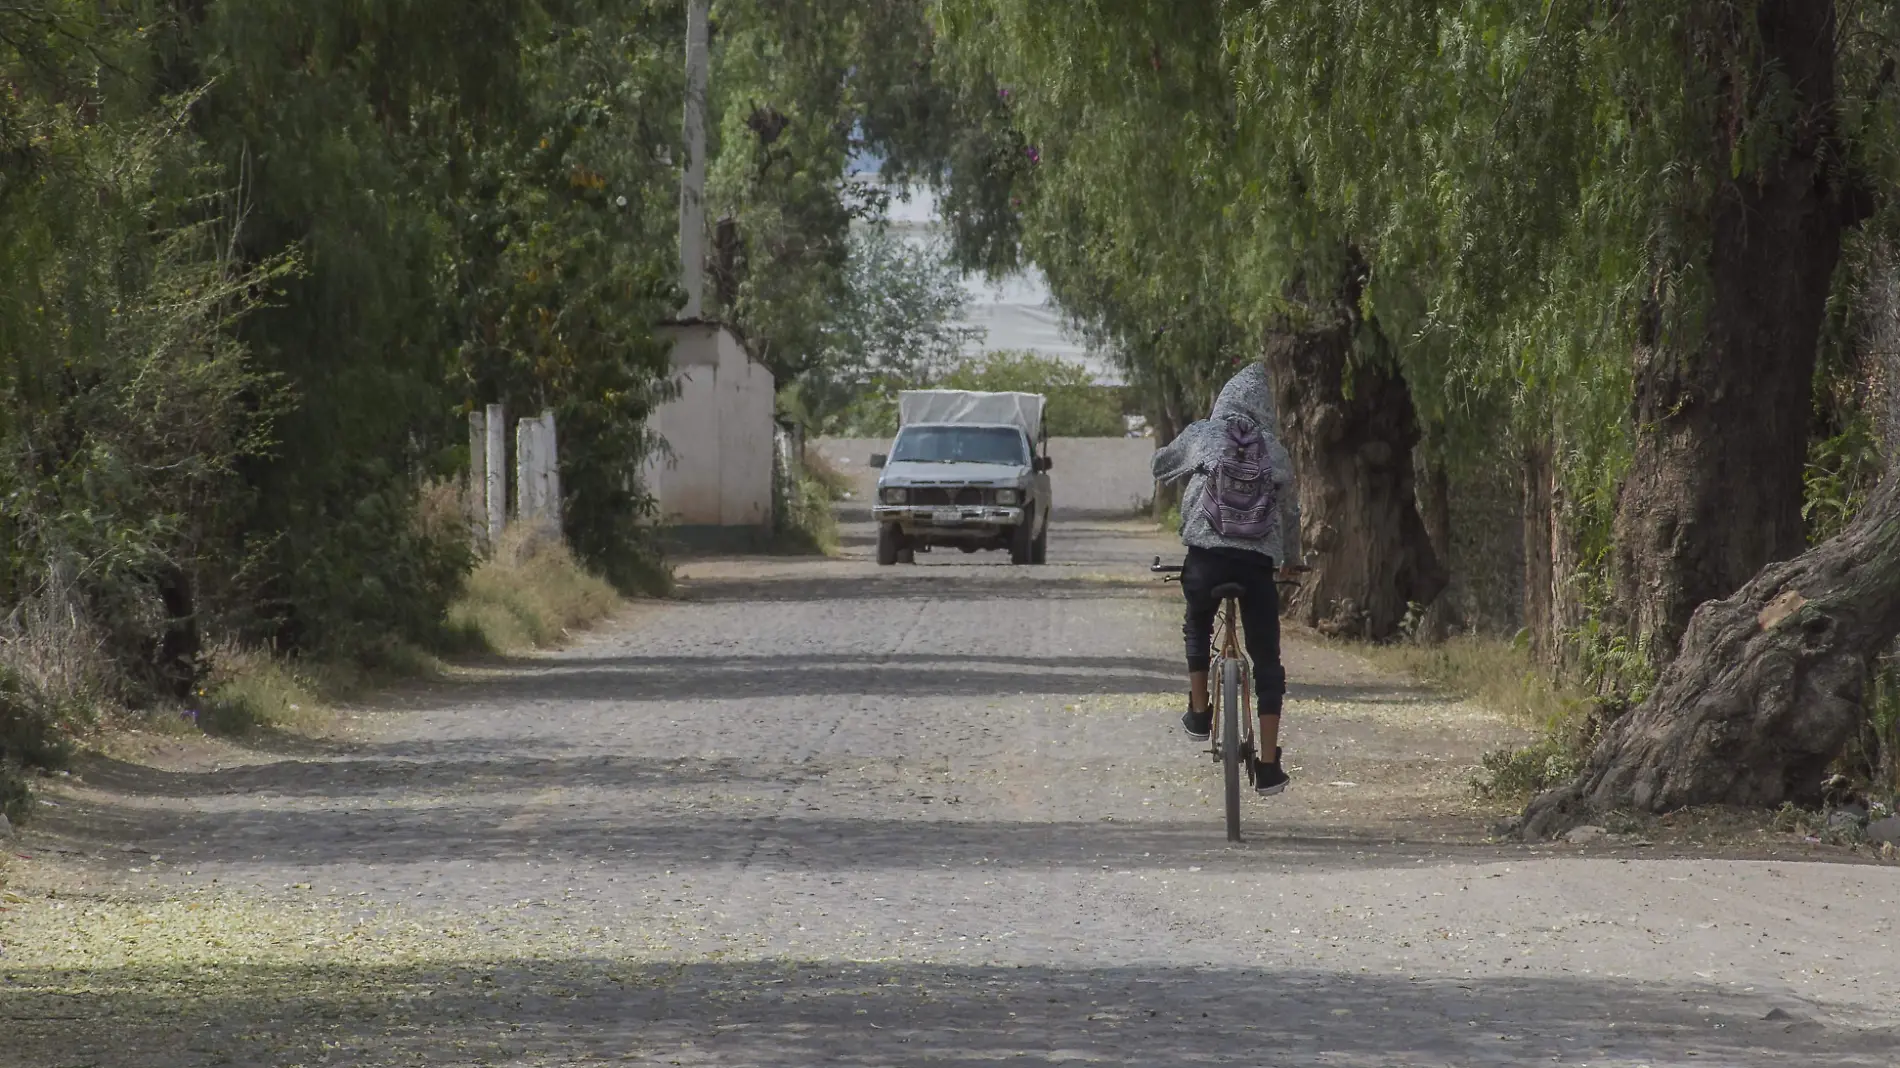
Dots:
pixel 1351 429
pixel 1540 519
pixel 1553 608
pixel 1164 412
pixel 1435 509
pixel 1715 486
pixel 1766 692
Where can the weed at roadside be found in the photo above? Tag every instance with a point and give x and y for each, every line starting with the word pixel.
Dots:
pixel 806 523
pixel 831 482
pixel 1509 773
pixel 248 689
pixel 52 685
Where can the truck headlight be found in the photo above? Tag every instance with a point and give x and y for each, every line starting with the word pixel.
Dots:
pixel 894 495
pixel 1008 496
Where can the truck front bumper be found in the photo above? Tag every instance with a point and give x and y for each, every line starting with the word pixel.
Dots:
pixel 949 521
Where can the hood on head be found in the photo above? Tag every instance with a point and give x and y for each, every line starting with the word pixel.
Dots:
pixel 1250 394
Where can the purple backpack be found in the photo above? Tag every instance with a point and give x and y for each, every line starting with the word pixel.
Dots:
pixel 1241 498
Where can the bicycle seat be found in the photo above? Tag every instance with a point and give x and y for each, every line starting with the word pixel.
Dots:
pixel 1227 591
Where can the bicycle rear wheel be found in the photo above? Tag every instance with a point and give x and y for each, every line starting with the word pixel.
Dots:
pixel 1230 742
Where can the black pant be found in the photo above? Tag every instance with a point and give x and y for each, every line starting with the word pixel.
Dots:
pixel 1205 569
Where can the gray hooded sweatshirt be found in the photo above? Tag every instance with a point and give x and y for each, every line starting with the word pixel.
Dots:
pixel 1198 448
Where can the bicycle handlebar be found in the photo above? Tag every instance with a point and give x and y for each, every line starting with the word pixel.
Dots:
pixel 1160 568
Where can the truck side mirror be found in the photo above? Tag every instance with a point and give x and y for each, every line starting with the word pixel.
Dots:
pixel 1044 463
pixel 878 459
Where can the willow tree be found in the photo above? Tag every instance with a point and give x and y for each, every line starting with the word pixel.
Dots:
pixel 1642 205
pixel 1157 232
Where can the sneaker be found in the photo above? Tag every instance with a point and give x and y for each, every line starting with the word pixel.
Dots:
pixel 1198 725
pixel 1269 779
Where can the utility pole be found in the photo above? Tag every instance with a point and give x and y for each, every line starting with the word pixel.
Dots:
pixel 693 184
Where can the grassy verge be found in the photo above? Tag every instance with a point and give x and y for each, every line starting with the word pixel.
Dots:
pixel 1501 676
pixel 529 595
pixel 248 689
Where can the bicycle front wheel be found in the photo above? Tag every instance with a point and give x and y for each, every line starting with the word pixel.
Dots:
pixel 1230 742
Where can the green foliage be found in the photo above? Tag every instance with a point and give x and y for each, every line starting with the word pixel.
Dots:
pixel 1076 407
pixel 1883 713
pixel 126 404
pixel 1842 471
pixel 476 194
pixel 1616 662
pixel 1532 189
pixel 566 264
pixel 799 86
pixel 894 327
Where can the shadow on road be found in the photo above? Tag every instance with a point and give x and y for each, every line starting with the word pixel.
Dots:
pixel 626 825
pixel 911 676
pixel 785 1012
pixel 914 583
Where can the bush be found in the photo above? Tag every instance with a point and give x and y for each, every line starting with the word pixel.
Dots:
pixel 1077 407
pixel 1515 774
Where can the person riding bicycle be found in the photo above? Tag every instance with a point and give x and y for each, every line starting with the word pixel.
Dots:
pixel 1240 516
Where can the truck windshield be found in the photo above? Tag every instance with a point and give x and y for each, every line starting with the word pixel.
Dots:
pixel 961 444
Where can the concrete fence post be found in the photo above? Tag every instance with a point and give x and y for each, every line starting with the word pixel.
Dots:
pixel 550 471
pixel 527 475
pixel 537 472
pixel 475 495
pixel 495 472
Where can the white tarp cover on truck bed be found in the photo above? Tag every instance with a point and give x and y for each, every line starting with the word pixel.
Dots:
pixel 964 406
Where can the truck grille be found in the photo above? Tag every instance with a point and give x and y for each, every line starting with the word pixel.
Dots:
pixel 948 496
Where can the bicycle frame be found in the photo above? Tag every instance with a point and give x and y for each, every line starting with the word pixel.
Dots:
pixel 1229 648
pixel 1236 734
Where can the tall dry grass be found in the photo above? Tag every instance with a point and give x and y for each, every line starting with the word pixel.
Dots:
pixel 53 683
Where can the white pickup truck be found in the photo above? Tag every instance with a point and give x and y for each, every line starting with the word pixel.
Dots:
pixel 967 470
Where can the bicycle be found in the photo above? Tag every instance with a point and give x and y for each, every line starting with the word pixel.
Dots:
pixel 1231 739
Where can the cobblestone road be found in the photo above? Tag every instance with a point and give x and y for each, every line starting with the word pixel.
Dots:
pixel 826 813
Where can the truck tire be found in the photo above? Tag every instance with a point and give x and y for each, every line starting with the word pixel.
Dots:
pixel 1022 541
pixel 886 544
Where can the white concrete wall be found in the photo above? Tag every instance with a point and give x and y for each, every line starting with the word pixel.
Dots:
pixel 1090 475
pixel 746 403
pixel 719 430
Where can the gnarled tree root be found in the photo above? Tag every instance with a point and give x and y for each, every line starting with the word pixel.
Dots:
pixel 1764 692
